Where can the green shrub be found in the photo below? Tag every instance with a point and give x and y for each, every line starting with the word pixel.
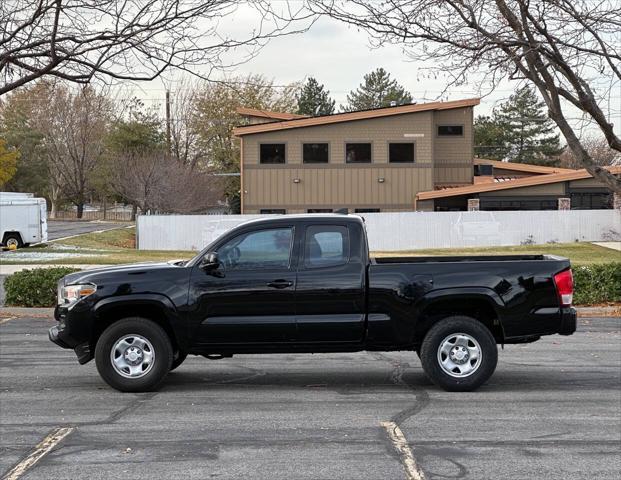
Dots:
pixel 34 288
pixel 597 283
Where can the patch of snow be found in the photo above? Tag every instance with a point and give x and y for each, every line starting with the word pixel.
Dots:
pixel 35 257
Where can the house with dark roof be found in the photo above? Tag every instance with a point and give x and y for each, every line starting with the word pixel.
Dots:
pixel 401 158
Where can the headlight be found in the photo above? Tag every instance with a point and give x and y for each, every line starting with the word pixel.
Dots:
pixel 68 295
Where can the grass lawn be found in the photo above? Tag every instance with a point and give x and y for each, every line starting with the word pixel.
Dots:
pixel 109 247
pixel 118 246
pixel 580 253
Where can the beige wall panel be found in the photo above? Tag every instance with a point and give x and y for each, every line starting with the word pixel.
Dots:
pixel 587 183
pixel 378 131
pixel 453 175
pixel 453 149
pixel 334 187
pixel 550 189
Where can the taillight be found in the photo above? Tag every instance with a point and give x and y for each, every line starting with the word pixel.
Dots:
pixel 564 282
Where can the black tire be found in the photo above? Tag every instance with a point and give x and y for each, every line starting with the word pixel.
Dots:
pixel 162 354
pixel 14 238
pixel 431 358
pixel 178 360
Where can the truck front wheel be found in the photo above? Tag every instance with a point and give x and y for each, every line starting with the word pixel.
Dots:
pixel 134 355
pixel 459 354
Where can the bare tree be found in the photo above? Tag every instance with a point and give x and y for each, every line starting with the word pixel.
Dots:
pixel 155 182
pixel 77 40
pixel 599 151
pixel 569 49
pixel 74 126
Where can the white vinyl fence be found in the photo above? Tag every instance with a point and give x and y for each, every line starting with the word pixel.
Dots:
pixel 408 230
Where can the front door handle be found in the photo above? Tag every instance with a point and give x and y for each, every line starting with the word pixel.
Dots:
pixel 280 284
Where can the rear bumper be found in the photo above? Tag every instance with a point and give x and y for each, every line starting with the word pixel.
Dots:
pixel 569 321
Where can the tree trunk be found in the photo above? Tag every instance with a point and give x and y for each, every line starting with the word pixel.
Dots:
pixel 134 211
pixel 105 207
pixel 80 210
pixel 53 208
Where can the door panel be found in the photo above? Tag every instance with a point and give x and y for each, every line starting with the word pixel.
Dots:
pixel 330 293
pixel 250 298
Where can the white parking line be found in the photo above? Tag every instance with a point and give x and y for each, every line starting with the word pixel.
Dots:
pixel 412 470
pixel 43 448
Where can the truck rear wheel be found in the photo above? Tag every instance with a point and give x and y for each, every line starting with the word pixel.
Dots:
pixel 134 355
pixel 459 354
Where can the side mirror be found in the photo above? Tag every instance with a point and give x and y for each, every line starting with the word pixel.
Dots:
pixel 210 261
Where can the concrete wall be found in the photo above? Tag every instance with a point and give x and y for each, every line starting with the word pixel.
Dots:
pixel 407 230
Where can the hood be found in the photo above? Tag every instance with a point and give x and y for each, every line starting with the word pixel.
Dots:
pixel 92 275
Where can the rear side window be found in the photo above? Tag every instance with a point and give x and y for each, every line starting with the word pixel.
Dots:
pixel 326 246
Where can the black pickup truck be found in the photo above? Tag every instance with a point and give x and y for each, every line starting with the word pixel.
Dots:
pixel 307 284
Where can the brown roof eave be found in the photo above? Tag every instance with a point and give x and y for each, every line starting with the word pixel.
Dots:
pixel 353 116
pixel 518 183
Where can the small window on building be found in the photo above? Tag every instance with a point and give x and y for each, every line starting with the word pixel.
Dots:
pixel 319 210
pixel 401 152
pixel 450 130
pixel 315 152
pixel 367 210
pixel 326 246
pixel 358 152
pixel 272 153
pixel 272 211
pixel 483 170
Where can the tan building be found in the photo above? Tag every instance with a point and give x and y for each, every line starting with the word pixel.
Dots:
pixel 409 157
pixel 364 161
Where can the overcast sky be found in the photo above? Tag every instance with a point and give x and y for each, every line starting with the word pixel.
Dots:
pixel 338 56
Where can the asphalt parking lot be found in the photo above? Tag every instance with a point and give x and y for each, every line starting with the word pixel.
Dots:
pixel 60 229
pixel 552 410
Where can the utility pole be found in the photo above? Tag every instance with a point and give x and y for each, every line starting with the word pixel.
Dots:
pixel 168 120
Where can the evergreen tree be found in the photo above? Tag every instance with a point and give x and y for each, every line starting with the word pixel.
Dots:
pixel 490 139
pixel 527 131
pixel 377 90
pixel 314 100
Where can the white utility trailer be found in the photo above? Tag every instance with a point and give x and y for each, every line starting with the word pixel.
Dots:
pixel 23 219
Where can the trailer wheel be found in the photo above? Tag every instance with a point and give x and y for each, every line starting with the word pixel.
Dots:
pixel 459 354
pixel 13 240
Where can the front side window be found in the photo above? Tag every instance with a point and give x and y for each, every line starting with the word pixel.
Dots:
pixel 358 152
pixel 265 249
pixel 401 152
pixel 315 153
pixel 450 130
pixel 271 153
pixel 326 246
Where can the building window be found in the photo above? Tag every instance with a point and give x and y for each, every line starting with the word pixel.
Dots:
pixel 401 152
pixel 450 130
pixel 367 210
pixel 272 211
pixel 319 210
pixel 591 200
pixel 483 170
pixel 272 153
pixel 315 153
pixel 358 152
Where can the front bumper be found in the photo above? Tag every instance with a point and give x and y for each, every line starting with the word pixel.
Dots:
pixel 569 321
pixel 66 337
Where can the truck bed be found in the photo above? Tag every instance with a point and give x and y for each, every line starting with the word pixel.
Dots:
pixel 469 258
